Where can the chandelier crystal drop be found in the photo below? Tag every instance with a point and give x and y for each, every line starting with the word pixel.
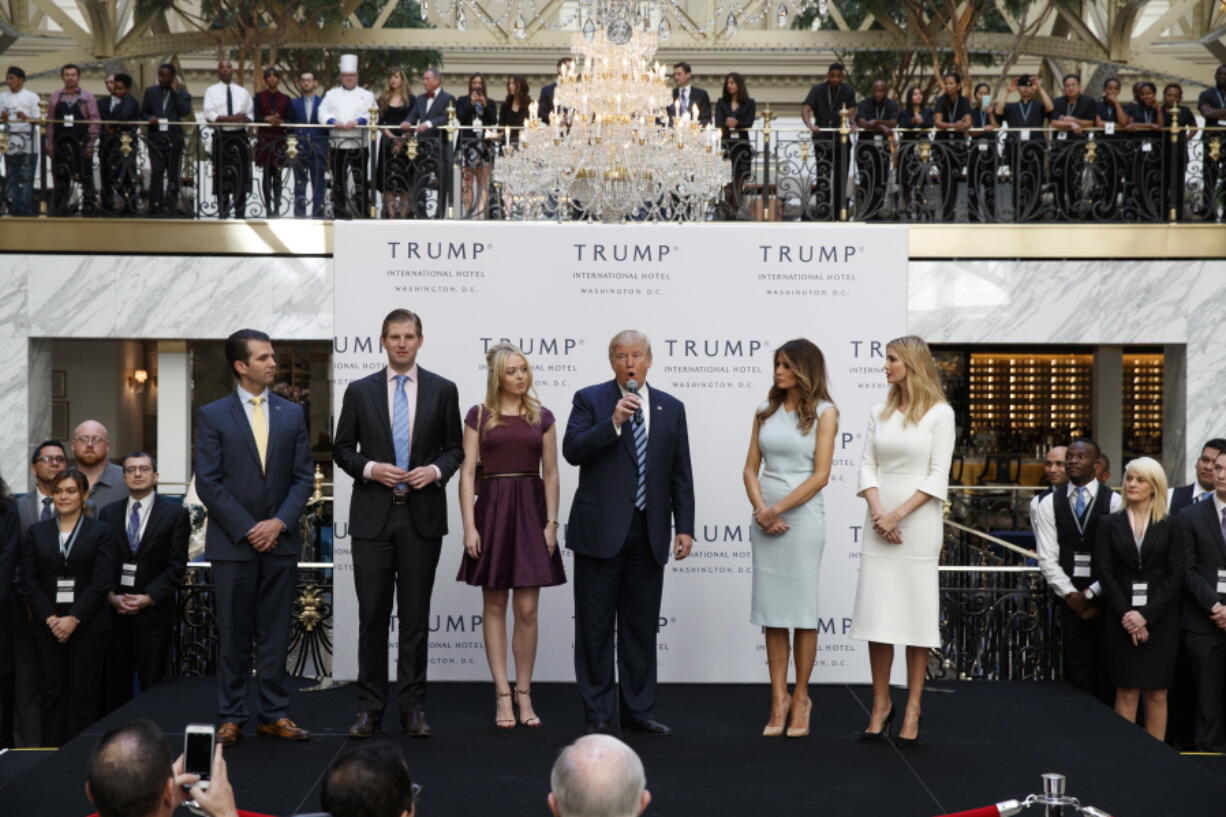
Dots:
pixel 610 153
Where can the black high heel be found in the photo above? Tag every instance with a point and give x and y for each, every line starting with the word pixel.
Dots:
pixel 907 743
pixel 873 737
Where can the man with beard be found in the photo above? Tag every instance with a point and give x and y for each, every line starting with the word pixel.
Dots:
pixel 91 443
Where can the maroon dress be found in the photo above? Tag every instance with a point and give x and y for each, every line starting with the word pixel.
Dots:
pixel 510 513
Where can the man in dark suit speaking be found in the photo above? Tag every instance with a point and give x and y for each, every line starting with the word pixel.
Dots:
pixel 632 448
pixel 253 474
pixel 399 437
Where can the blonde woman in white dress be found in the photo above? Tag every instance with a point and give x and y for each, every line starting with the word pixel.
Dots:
pixel 904 477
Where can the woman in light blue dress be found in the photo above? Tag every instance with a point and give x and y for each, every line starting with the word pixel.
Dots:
pixel 793 437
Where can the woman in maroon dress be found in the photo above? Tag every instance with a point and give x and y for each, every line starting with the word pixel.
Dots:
pixel 272 108
pixel 511 530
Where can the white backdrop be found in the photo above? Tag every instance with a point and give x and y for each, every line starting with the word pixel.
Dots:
pixel 715 301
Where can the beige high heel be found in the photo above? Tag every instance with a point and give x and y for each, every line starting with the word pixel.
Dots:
pixel 801 732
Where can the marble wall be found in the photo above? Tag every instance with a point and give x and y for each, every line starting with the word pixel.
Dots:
pixel 199 297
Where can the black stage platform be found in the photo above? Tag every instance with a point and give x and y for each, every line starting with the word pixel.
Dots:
pixel 982 742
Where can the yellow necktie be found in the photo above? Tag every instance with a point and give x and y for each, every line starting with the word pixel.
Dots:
pixel 259 427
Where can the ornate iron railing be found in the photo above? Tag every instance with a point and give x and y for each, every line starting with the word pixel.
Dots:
pixel 201 171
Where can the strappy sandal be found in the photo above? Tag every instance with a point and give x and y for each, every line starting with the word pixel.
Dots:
pixel 503 723
pixel 532 722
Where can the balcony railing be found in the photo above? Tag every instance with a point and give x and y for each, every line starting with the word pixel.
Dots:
pixel 201 171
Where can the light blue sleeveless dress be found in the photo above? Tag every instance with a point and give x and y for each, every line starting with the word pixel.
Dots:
pixel 787 568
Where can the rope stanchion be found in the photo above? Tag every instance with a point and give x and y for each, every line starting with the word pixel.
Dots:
pixel 1006 809
pixel 1054 800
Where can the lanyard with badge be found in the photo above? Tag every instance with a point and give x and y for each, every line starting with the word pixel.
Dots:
pixel 65 587
pixel 1081 560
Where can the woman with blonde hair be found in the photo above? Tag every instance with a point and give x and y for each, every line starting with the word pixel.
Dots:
pixel 1139 559
pixel 904 477
pixel 393 169
pixel 511 529
pixel 793 434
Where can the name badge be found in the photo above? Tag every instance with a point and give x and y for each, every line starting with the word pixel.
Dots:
pixel 1062 135
pixel 68 120
pixel 1147 147
pixel 163 125
pixel 1109 128
pixel 1221 581
pixel 479 133
pixel 1025 137
pixel 65 592
pixel 983 147
pixel 1140 594
pixel 877 137
pixel 127 578
pixel 1081 566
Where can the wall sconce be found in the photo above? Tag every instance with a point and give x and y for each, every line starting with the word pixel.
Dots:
pixel 137 381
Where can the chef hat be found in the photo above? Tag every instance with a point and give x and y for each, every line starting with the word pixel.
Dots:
pixel 349 63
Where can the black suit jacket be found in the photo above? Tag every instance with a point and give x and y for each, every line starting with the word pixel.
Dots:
pixel 1204 555
pixel 544 106
pixel 1159 564
pixel 698 97
pixel 10 551
pixel 364 434
pixel 1183 496
pixel 177 108
pixel 127 110
pixel 160 559
pixel 437 115
pixel 91 565
pixel 603 509
pixel 233 487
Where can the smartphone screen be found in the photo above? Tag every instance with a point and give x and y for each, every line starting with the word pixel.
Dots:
pixel 198 753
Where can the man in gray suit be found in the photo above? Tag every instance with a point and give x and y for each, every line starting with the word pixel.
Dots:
pixel 91 443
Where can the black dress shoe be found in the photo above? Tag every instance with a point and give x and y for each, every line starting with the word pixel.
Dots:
pixel 647 727
pixel 365 725
pixel 414 725
pixel 599 728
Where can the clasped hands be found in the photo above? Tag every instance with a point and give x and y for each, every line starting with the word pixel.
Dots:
pixel 62 627
pixel 769 520
pixel 886 525
pixel 1137 627
pixel 1084 608
pixel 127 604
pixel 263 535
pixel 1218 615
pixel 387 474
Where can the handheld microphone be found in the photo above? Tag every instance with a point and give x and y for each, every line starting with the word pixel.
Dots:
pixel 632 386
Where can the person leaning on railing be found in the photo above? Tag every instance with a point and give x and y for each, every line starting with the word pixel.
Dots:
pixel 981 166
pixel 118 171
pixel 820 113
pixel 1172 99
pixel 1139 561
pixel 1212 105
pixel 735 111
pixel 70 141
pixel 1070 115
pixel 876 116
pixel 952 119
pixel 915 120
pixel 1025 120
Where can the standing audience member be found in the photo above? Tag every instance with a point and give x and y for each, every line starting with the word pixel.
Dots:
pixel 152 532
pixel 428 117
pixel 1203 527
pixel 70 141
pixel 228 107
pixel 393 168
pixel 164 106
pixel 904 479
pixel 1139 558
pixel 1102 467
pixel 1066 527
pixel 312 148
pixel 272 108
pixel 687 99
pixel 735 112
pixel 118 173
pixel 1177 177
pixel 347 109
pixel 511 530
pixel 982 166
pixel 253 472
pixel 1201 488
pixel 631 444
pixel 514 110
pixel 476 110
pixel 793 437
pixel 17 107
pixel 1070 115
pixel 820 112
pixel 373 781
pixel 952 118
pixel 10 555
pixel 91 443
pixel 68 567
pixel 598 776
pixel 399 437
pixel 1212 106
pixel 1024 153
pixel 545 107
pixel 1146 191
pixel 915 121
pixel 876 116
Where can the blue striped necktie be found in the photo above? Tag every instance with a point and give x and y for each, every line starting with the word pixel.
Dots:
pixel 134 528
pixel 640 457
pixel 400 426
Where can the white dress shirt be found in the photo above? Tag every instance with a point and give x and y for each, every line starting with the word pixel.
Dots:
pixel 645 396
pixel 347 105
pixel 215 103
pixel 1043 521
pixel 410 392
pixel 21 134
pixel 146 506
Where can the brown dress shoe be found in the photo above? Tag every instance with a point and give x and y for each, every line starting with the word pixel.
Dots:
pixel 229 733
pixel 415 725
pixel 285 729
pixel 365 725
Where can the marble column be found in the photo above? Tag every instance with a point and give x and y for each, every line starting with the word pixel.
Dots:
pixel 174 415
pixel 1174 413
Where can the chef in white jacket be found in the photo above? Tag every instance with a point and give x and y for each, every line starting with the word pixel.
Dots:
pixel 348 110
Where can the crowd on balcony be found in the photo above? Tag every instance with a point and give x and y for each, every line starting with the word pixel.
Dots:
pixel 1017 155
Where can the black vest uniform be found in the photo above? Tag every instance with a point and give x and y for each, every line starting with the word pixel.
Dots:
pixel 1085 659
pixel 69 163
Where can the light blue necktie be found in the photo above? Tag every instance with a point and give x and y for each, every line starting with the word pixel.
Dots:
pixel 134 528
pixel 1204 496
pixel 1080 507
pixel 640 456
pixel 400 426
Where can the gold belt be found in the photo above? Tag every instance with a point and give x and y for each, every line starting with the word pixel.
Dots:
pixel 510 475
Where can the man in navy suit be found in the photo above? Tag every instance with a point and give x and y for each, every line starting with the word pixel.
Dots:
pixel 253 474
pixel 152 532
pixel 312 148
pixel 428 117
pixel 1202 489
pixel 632 447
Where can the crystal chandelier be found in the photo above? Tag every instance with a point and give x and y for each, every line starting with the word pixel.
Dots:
pixel 615 16
pixel 609 153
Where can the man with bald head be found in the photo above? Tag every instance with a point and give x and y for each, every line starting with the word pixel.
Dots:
pixel 598 776
pixel 876 116
pixel 91 443
pixel 1053 471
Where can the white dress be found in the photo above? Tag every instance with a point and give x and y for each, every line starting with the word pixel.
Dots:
pixel 897 595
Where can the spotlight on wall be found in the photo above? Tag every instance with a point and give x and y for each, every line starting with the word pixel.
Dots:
pixel 137 380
